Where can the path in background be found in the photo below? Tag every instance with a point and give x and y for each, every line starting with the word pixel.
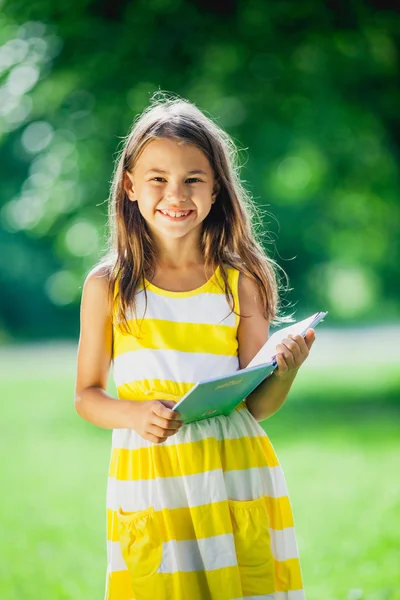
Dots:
pixel 360 347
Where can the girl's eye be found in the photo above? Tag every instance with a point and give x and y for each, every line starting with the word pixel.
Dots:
pixel 190 180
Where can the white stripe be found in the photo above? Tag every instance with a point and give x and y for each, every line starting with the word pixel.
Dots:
pixel 283 543
pixel 290 595
pixel 207 554
pixel 204 554
pixel 182 367
pixel 238 424
pixel 193 490
pixel 115 558
pixel 166 492
pixel 267 597
pixel 211 309
pixel 243 484
pixel 214 552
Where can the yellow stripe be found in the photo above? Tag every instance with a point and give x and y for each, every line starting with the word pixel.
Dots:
pixel 119 586
pixel 158 334
pixel 233 278
pixel 223 584
pixel 150 389
pixel 279 512
pixel 186 523
pixel 192 457
pixel 288 575
pixel 207 520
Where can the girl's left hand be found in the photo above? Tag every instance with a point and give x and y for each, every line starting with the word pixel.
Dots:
pixel 292 352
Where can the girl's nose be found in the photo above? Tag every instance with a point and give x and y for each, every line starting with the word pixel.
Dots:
pixel 176 193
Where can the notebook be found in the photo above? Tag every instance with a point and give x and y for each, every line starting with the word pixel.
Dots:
pixel 221 395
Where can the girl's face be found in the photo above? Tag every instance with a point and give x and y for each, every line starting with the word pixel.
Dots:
pixel 173 184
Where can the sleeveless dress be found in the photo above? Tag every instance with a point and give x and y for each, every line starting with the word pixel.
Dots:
pixel 204 515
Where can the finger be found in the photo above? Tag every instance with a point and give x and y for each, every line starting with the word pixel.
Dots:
pixel 302 345
pixel 300 341
pixel 153 438
pixel 287 354
pixel 159 432
pixel 292 345
pixel 282 366
pixel 168 403
pixel 310 337
pixel 163 411
pixel 165 423
pixel 155 428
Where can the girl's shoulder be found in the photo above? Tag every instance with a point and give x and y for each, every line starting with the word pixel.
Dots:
pixel 96 288
pixel 99 275
pixel 253 331
pixel 248 291
pixel 236 268
pixel 239 279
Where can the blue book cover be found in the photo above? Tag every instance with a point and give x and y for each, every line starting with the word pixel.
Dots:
pixel 221 395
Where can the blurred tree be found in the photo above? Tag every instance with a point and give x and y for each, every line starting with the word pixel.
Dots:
pixel 309 88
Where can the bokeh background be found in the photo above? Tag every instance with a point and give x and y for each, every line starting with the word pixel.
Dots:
pixel 309 90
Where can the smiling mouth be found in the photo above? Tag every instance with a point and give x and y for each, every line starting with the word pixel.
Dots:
pixel 178 215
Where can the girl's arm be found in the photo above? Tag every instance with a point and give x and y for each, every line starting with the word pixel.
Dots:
pixel 268 397
pixel 154 420
pixel 94 358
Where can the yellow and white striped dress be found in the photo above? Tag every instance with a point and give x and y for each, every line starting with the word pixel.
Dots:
pixel 206 514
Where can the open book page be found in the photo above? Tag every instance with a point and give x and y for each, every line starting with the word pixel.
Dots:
pixel 268 352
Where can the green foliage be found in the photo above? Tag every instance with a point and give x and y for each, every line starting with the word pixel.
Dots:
pixel 309 92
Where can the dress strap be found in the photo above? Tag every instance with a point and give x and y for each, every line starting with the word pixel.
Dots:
pixel 233 280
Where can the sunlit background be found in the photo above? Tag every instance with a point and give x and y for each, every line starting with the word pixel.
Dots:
pixel 309 91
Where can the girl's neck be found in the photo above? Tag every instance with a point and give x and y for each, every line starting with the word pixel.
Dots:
pixel 182 277
pixel 178 255
pixel 181 263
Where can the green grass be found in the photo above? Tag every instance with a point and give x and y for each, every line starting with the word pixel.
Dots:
pixel 341 471
pixel 337 439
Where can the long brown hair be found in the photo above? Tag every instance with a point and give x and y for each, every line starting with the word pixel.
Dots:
pixel 229 235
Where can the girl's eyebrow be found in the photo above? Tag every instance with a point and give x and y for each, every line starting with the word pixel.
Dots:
pixel 194 172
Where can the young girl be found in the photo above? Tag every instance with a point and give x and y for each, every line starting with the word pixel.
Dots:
pixel 198 511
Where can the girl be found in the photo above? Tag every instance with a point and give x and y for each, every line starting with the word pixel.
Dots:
pixel 199 511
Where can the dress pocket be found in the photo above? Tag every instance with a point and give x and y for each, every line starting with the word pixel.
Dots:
pixel 141 543
pixel 250 524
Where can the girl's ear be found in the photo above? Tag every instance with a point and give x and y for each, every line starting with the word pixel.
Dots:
pixel 216 190
pixel 128 186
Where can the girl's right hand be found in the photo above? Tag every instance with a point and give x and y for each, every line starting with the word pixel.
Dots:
pixel 154 420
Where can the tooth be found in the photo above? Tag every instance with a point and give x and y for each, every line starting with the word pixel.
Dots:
pixel 175 214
